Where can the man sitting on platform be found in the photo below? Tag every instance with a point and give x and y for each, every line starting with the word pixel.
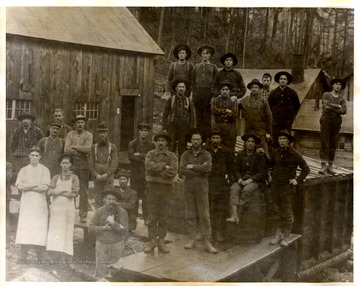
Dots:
pixel 249 173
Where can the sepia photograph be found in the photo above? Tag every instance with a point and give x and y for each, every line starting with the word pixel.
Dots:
pixel 179 144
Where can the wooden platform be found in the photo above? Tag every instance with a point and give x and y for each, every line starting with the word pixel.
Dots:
pixel 197 265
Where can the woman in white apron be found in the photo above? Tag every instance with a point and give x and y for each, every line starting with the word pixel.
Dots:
pixel 64 187
pixel 33 181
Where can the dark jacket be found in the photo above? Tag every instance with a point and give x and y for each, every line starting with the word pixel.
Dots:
pixel 250 167
pixel 128 202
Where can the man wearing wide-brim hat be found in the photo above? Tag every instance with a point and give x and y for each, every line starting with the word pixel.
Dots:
pixel 334 105
pixel 110 225
pixel 180 68
pixel 137 150
pixel 284 104
pixel 219 177
pixel 286 160
pixel 228 73
pixel 23 139
pixel 178 115
pixel 78 143
pixel 257 114
pixel 103 162
pixel 203 76
pixel 249 176
pixel 51 148
pixel 225 112
pixel 195 166
pixel 161 167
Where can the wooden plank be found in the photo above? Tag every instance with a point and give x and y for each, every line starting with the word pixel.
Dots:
pixel 197 265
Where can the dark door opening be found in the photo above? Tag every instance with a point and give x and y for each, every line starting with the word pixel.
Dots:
pixel 127 121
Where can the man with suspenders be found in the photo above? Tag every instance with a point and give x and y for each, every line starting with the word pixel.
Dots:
pixel 103 162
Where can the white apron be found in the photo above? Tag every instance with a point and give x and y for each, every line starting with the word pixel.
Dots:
pixel 33 217
pixel 62 220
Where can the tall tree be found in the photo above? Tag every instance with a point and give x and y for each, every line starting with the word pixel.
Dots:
pixel 161 24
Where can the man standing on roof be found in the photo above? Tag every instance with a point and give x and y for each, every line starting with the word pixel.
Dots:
pixel 266 81
pixel 137 149
pixel 23 139
pixel 78 143
pixel 285 161
pixel 334 105
pixel 203 76
pixel 178 115
pixel 284 104
pixel 230 75
pixel 180 68
pixel 225 111
pixel 103 162
pixel 257 114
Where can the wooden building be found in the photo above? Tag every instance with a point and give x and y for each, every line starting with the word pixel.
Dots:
pixel 96 61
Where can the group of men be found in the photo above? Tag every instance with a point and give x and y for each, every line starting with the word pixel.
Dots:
pixel 196 146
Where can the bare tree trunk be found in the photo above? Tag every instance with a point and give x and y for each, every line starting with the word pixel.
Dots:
pixel 188 24
pixel 276 17
pixel 161 24
pixel 173 30
pixel 262 47
pixel 245 34
pixel 344 42
pixel 334 49
pixel 206 20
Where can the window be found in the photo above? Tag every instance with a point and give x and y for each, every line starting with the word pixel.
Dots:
pixel 345 142
pixel 15 107
pixel 89 109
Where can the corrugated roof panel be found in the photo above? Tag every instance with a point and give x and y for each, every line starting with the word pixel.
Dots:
pixel 107 27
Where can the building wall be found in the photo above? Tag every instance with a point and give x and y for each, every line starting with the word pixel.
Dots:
pixel 51 74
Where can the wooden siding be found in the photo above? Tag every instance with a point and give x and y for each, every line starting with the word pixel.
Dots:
pixel 51 74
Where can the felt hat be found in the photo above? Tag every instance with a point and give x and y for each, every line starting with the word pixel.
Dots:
pixel 66 156
pixel 229 55
pixel 111 192
pixel 255 81
pixel 55 123
pixel 182 47
pixel 123 173
pixel 245 137
pixel 225 83
pixel 335 80
pixel 144 125
pixel 178 80
pixel 26 115
pixel 208 47
pixel 80 117
pixel 287 134
pixel 163 134
pixel 102 127
pixel 288 75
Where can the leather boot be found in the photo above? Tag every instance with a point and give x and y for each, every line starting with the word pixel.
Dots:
pixel 234 215
pixel 330 169
pixel 150 247
pixel 191 244
pixel 219 237
pixel 285 240
pixel 162 246
pixel 199 236
pixel 323 168
pixel 208 245
pixel 277 238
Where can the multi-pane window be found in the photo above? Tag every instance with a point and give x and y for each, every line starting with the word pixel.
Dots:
pixel 89 109
pixel 15 107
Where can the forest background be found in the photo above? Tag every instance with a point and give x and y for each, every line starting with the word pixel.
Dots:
pixel 260 37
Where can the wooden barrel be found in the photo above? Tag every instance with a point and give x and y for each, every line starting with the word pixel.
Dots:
pixel 252 223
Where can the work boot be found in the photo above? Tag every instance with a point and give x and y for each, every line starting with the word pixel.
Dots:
pixel 191 244
pixel 150 247
pixel 277 238
pixel 208 245
pixel 162 246
pixel 219 237
pixel 234 215
pixel 323 168
pixel 285 240
pixel 199 236
pixel 330 169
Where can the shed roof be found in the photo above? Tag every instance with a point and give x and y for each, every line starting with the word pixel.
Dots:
pixel 107 27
